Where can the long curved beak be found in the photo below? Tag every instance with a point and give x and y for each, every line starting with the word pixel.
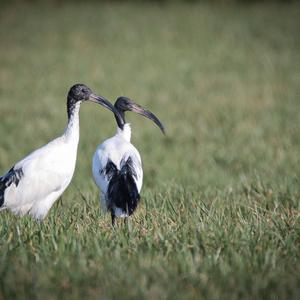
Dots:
pixel 104 102
pixel 146 113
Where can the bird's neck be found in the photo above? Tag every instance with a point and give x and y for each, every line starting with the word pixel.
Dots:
pixel 120 118
pixel 124 133
pixel 71 133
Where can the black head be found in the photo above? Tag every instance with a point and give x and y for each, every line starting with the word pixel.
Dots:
pixel 80 93
pixel 123 104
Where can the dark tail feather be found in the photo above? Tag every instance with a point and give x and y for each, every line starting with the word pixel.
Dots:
pixel 122 190
pixel 12 176
pixel 2 189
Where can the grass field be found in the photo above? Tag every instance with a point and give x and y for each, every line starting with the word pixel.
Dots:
pixel 220 215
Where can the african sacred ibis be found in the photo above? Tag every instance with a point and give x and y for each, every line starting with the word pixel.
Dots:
pixel 117 166
pixel 33 184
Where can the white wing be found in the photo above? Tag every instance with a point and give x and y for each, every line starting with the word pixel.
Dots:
pixel 43 176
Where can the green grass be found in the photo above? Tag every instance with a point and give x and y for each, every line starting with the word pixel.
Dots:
pixel 220 215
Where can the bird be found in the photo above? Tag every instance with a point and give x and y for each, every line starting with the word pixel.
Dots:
pixel 34 183
pixel 117 166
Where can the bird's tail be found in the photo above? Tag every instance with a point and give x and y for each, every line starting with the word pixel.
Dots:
pixel 12 176
pixel 122 192
pixel 2 189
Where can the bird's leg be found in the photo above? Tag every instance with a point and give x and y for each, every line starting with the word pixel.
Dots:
pixel 113 219
pixel 126 220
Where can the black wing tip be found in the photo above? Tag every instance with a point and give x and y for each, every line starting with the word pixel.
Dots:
pixel 12 176
pixel 122 190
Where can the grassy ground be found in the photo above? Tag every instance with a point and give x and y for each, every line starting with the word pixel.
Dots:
pixel 220 216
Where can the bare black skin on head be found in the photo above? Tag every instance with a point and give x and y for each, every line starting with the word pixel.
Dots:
pixel 80 93
pixel 124 104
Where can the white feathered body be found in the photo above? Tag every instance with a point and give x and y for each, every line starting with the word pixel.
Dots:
pixel 117 150
pixel 45 174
